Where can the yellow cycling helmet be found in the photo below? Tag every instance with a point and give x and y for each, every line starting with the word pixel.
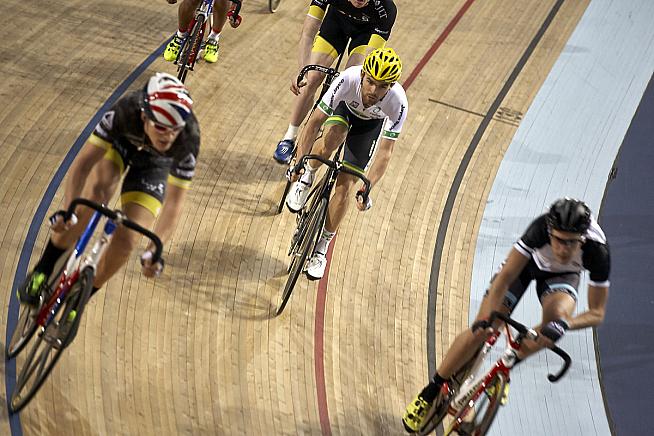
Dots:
pixel 383 64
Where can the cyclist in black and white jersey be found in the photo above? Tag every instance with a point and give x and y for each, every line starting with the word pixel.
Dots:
pixel 153 137
pixel 553 251
pixel 364 104
pixel 328 26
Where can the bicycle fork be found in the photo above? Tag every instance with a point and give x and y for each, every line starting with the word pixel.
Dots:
pixel 67 281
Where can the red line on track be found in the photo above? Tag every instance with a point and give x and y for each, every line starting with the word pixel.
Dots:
pixel 321 299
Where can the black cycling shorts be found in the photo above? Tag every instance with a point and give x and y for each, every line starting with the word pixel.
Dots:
pixel 337 29
pixel 362 137
pixel 546 283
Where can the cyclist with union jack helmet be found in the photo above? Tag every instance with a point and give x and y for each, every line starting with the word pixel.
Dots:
pixel 150 139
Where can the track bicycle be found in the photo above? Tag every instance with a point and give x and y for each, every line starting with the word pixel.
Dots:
pixel 193 43
pixel 473 398
pixel 53 323
pixel 311 218
pixel 273 5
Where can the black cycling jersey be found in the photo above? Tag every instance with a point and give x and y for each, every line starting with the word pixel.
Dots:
pixel 594 255
pixel 378 13
pixel 122 127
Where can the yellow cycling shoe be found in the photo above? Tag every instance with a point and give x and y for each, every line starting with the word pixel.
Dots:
pixel 415 414
pixel 211 50
pixel 172 49
pixel 490 390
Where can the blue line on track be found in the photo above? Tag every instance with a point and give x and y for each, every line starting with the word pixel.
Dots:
pixel 39 217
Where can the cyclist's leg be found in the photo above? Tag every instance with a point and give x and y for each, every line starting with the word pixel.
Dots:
pixel 362 43
pixel 99 187
pixel 558 298
pixel 142 195
pixel 185 13
pixel 220 9
pixel 124 241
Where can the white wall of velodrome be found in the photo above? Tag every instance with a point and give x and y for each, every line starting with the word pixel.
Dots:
pixel 565 146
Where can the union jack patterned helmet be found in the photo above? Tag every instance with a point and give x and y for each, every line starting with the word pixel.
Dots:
pixel 167 101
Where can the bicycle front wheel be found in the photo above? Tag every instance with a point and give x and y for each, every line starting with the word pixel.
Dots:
pixel 51 341
pixel 480 415
pixel 190 51
pixel 273 5
pixel 308 238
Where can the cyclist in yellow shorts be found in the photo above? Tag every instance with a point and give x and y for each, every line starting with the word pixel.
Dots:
pixel 153 137
pixel 327 28
pixel 185 15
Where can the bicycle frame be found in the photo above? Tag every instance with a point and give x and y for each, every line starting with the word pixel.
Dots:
pixel 474 386
pixel 74 264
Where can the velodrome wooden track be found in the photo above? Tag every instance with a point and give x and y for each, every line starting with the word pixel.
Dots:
pixel 199 351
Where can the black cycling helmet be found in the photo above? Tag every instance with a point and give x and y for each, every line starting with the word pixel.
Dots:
pixel 569 215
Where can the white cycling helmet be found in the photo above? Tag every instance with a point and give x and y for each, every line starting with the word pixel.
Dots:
pixel 167 101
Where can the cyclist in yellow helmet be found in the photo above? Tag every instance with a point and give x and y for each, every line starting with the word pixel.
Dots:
pixel 364 107
pixel 327 28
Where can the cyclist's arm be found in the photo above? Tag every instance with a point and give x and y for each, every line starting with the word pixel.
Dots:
pixel 92 151
pixel 597 300
pixel 510 271
pixel 310 28
pixel 382 158
pixel 310 132
pixel 171 210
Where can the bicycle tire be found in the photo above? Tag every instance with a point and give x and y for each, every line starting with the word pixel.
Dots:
pixel 495 400
pixel 273 5
pixel 192 44
pixel 316 220
pixel 39 360
pixel 489 403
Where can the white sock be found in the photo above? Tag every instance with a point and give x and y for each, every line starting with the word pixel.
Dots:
pixel 214 35
pixel 181 34
pixel 323 242
pixel 291 133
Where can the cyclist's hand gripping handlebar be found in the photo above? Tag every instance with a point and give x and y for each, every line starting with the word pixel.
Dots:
pixel 329 72
pixel 524 330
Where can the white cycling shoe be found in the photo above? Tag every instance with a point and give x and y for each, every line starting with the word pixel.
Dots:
pixel 299 192
pixel 317 265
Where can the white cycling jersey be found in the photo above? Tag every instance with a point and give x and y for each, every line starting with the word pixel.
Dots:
pixel 347 88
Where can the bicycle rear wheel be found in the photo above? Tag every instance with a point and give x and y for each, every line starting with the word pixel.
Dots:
pixel 273 5
pixel 483 410
pixel 51 342
pixel 308 237
pixel 190 51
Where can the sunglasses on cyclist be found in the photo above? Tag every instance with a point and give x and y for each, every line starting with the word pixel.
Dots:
pixel 567 242
pixel 165 129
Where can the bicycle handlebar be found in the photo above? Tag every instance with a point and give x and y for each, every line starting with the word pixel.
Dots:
pixel 338 166
pixel 120 219
pixel 330 72
pixel 522 329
